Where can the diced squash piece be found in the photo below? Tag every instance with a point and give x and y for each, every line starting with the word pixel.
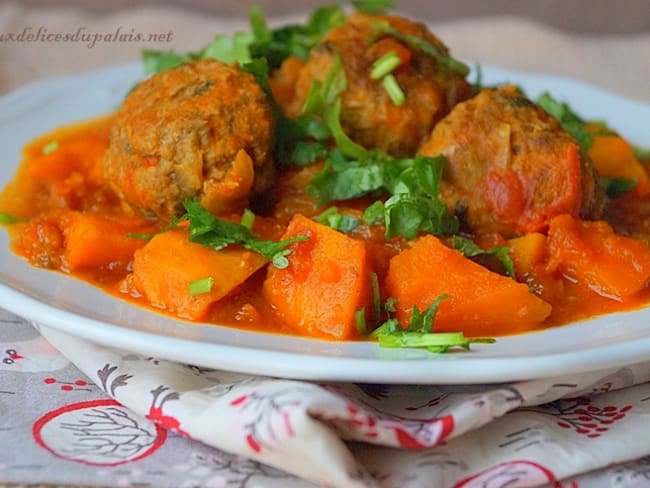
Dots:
pixel 613 157
pixel 93 241
pixel 592 254
pixel 326 282
pixel 527 251
pixel 165 267
pixel 479 302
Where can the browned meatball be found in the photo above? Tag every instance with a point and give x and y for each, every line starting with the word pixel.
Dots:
pixel 203 129
pixel 368 115
pixel 511 166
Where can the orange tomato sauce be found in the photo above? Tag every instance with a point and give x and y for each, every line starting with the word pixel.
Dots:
pixel 56 191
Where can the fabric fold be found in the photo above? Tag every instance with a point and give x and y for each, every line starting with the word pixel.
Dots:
pixel 361 435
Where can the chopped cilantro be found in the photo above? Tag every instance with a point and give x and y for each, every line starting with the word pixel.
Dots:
pixel 641 153
pixel 616 187
pixel 293 40
pixel 568 119
pixel 376 298
pixel 50 147
pixel 385 65
pixel 435 342
pixel 470 250
pixel 423 321
pixel 324 103
pixel 419 333
pixel 248 219
pixel 337 221
pixel 407 216
pixel 208 230
pixel 157 61
pixel 201 286
pixel 414 206
pixel 229 49
pixel 140 236
pixel 360 321
pixel 395 92
pixel 8 219
pixel 374 7
pixel 374 214
pixel 443 59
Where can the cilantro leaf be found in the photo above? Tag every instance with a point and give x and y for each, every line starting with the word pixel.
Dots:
pixel 435 342
pixel 374 214
pixel 616 187
pixel 201 286
pixel 157 61
pixel 443 59
pixel 641 153
pixel 337 221
pixel 470 250
pixel 568 119
pixel 373 7
pixel 209 231
pixel 422 322
pixel 407 216
pixel 419 333
pixel 294 40
pixel 8 219
pixel 413 183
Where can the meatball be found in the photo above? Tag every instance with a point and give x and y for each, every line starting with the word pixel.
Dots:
pixel 511 167
pixel 368 115
pixel 203 129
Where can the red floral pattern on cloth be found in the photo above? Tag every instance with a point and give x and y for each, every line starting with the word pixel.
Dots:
pixel 577 432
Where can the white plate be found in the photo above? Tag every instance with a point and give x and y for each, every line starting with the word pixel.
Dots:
pixel 54 300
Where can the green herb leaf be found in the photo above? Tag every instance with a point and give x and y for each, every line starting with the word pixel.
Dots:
pixel 375 298
pixel 568 119
pixel 442 58
pixel 616 187
pixel 422 322
pixel 293 40
pixel 421 339
pixel 391 326
pixel 434 342
pixel 157 61
pixel 337 221
pixel 248 219
pixel 50 147
pixel 373 7
pixel 385 65
pixel 375 214
pixel 139 236
pixel 407 216
pixel 395 92
pixel 324 102
pixel 208 230
pixel 360 321
pixel 201 286
pixel 415 205
pixel 8 219
pixel 470 250
pixel 641 153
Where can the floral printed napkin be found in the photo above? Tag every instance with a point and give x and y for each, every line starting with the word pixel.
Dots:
pixel 77 413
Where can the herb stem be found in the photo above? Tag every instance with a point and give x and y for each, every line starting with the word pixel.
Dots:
pixel 201 286
pixel 395 92
pixel 385 65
